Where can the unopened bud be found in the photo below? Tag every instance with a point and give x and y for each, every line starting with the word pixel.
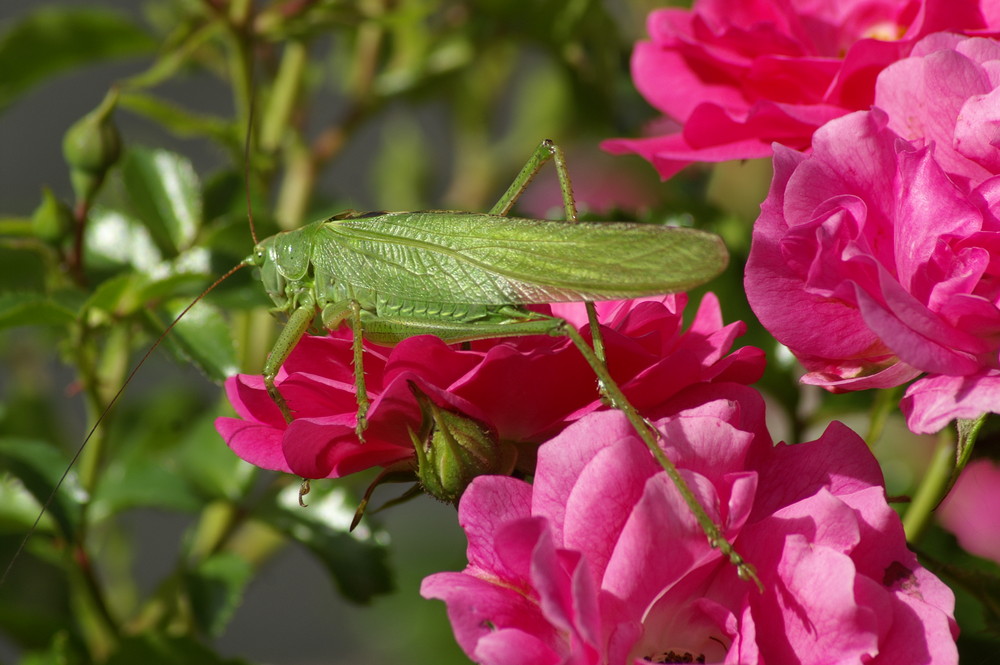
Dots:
pixel 91 146
pixel 452 449
pixel 52 220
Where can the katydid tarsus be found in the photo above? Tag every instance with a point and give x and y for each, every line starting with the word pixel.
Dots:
pixel 469 276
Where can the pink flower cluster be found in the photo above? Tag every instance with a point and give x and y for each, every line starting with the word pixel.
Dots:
pixel 732 76
pixel 525 389
pixel 876 258
pixel 600 561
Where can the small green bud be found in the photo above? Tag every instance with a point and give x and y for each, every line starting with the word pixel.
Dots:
pixel 92 146
pixel 453 449
pixel 52 219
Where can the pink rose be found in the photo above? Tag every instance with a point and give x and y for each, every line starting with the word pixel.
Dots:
pixel 977 530
pixel 525 389
pixel 600 561
pixel 732 77
pixel 875 258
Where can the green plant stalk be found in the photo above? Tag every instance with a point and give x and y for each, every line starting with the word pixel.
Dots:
pixel 284 94
pixel 932 489
pixel 100 629
pixel 296 185
pixel 241 59
pixel 100 374
pixel 885 404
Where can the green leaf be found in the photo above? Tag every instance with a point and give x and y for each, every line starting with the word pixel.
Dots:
pixel 31 309
pixel 204 337
pixel 115 240
pixel 50 40
pixel 209 464
pixel 138 481
pixel 215 589
pixel 181 121
pixel 356 560
pixel 118 296
pixel 39 466
pixel 165 191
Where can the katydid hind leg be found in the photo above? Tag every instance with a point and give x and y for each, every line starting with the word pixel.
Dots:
pixel 546 150
pixel 649 436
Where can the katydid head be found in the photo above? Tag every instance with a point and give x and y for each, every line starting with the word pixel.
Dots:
pixel 265 259
pixel 284 261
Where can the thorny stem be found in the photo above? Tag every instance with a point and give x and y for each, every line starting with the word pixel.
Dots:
pixel 94 372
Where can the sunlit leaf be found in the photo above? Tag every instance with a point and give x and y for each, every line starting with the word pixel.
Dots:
pixel 166 194
pixel 204 337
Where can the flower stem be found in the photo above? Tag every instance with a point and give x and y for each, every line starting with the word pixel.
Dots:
pixel 932 488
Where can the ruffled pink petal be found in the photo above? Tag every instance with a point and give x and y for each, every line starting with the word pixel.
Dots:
pixel 932 402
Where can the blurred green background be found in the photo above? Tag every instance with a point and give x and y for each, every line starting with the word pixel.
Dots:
pixel 415 104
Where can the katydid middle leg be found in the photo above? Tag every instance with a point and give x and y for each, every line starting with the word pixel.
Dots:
pixel 547 150
pixel 297 325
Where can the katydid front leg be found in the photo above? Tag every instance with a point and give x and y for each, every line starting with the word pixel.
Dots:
pixel 297 325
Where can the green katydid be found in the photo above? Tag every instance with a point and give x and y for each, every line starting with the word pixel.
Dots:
pixel 466 276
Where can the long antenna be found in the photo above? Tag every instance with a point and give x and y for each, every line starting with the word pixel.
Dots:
pixel 104 413
pixel 246 160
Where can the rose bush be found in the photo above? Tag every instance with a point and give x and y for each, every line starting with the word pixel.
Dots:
pixel 525 389
pixel 731 77
pixel 874 258
pixel 601 561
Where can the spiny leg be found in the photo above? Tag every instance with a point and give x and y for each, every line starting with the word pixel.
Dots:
pixel 297 325
pixel 744 569
pixel 543 153
pixel 359 370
